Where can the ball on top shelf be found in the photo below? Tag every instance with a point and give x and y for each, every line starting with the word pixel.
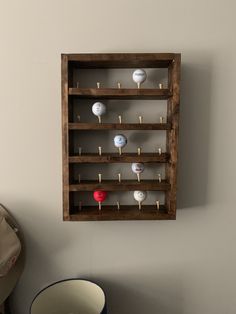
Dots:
pixel 140 196
pixel 139 76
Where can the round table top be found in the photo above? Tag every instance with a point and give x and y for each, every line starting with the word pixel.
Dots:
pixel 70 296
pixel 8 282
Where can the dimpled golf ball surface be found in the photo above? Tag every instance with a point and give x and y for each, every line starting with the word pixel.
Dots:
pixel 140 196
pixel 137 167
pixel 98 109
pixel 139 76
pixel 120 140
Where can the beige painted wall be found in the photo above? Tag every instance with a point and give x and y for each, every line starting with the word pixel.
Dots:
pixel 178 267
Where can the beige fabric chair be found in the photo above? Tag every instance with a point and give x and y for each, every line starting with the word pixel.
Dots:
pixel 8 282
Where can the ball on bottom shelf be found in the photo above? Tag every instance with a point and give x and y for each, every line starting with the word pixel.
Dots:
pixel 99 196
pixel 140 196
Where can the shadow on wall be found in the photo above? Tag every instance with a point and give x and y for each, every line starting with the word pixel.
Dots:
pixel 41 244
pixel 194 132
pixel 139 294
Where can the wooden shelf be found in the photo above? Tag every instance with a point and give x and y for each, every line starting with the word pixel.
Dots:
pixel 70 67
pixel 121 60
pixel 119 126
pixel 124 185
pixel 116 158
pixel 122 93
pixel 126 212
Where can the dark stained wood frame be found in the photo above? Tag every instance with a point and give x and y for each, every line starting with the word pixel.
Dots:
pixel 172 61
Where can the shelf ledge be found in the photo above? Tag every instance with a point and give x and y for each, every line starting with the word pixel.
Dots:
pixel 125 93
pixel 116 158
pixel 119 126
pixel 124 185
pixel 126 212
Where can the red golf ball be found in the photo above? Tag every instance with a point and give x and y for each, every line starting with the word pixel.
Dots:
pixel 99 196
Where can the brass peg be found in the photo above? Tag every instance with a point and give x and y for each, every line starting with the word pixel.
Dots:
pixel 118 205
pixel 120 119
pixel 140 119
pixel 99 150
pixel 98 84
pixel 119 177
pixel 100 178
pixel 158 205
pixel 161 120
pixel 160 85
pixel 139 205
pixel 120 150
pixel 138 176
pixel 139 151
pixel 159 150
pixel 119 85
pixel 159 177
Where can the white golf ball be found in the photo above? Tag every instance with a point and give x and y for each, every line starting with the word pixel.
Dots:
pixel 139 76
pixel 120 140
pixel 98 109
pixel 137 167
pixel 140 196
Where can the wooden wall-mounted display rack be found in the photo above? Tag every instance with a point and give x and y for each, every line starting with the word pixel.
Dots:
pixel 171 93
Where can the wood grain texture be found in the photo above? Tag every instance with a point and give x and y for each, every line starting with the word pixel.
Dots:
pixel 116 158
pixel 126 212
pixel 124 185
pixel 65 137
pixel 172 135
pixel 123 93
pixel 121 60
pixel 118 126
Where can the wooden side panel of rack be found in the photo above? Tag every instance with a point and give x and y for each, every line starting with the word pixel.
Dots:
pixel 65 136
pixel 172 134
